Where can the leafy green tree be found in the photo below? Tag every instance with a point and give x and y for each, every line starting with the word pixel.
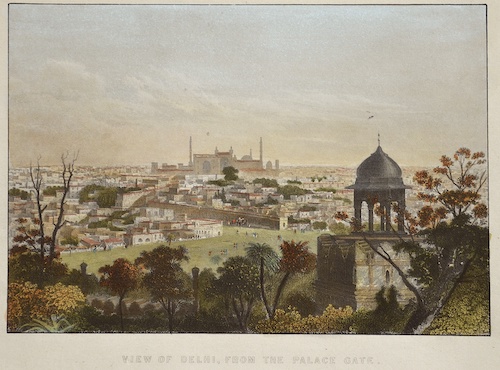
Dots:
pixel 107 197
pixel 167 283
pixel 319 225
pixel 230 173
pixel 24 266
pixel 238 283
pixel 338 228
pixel 288 190
pixel 266 258
pixel 267 183
pixel 88 192
pixel 52 190
pixel 24 195
pixel 120 278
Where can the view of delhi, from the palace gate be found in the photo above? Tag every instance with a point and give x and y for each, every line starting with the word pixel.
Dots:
pixel 319 161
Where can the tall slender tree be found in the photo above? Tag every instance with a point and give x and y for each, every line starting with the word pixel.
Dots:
pixel 266 258
pixel 39 240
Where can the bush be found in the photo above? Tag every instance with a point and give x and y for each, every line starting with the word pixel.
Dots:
pixel 333 320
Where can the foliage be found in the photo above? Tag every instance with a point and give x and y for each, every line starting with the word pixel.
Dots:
pixel 103 195
pixel 294 182
pixel 120 278
pixel 27 302
pixel 296 259
pixel 70 240
pixel 165 279
pixel 339 228
pixel 307 208
pixel 24 195
pixel 106 197
pixel 288 190
pixel 266 183
pixel 238 283
pixel 302 301
pixel 219 182
pixel 230 173
pixel 319 225
pixel 318 178
pixel 465 176
pixel 266 258
pixel 467 312
pixel 293 220
pixel 24 265
pixel 333 320
pixel 87 283
pixel 52 190
pixel 88 193
pixel 57 324
pixel 388 316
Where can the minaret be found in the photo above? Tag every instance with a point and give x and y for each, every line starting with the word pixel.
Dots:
pixel 261 161
pixel 190 151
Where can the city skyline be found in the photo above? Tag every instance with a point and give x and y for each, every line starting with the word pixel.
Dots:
pixel 131 84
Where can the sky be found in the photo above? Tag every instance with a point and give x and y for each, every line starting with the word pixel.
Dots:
pixel 130 84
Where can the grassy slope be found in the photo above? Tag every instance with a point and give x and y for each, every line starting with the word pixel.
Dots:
pixel 198 249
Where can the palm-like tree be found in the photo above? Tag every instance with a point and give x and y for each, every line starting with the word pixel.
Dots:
pixel 263 255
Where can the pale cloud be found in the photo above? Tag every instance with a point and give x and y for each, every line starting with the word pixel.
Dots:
pixel 131 84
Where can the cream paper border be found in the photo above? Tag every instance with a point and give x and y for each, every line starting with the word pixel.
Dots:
pixel 105 351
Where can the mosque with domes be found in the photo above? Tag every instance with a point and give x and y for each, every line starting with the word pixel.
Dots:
pixel 214 163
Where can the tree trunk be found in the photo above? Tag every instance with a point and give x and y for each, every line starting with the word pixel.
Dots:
pixel 422 318
pixel 170 315
pixel 279 292
pixel 262 289
pixel 239 315
pixel 120 310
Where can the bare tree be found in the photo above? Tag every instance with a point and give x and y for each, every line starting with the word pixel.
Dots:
pixel 43 240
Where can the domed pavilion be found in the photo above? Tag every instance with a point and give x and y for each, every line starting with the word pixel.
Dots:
pixel 379 181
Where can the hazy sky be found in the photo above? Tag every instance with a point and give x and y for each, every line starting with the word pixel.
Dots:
pixel 131 84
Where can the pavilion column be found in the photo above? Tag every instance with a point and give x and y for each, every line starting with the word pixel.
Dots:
pixel 357 211
pixel 370 218
pixel 382 218
pixel 388 217
pixel 401 216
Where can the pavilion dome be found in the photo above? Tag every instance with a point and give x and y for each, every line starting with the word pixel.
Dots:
pixel 378 171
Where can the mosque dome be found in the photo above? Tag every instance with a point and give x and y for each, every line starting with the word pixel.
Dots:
pixel 378 171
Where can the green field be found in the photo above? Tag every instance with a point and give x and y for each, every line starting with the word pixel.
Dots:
pixel 198 250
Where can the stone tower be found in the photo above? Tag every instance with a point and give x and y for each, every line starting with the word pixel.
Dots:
pixel 379 181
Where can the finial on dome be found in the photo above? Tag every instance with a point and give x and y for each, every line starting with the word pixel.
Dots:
pixel 379 139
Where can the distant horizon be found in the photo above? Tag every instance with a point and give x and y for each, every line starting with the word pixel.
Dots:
pixel 131 84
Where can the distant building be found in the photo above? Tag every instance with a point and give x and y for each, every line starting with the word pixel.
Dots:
pixel 214 163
